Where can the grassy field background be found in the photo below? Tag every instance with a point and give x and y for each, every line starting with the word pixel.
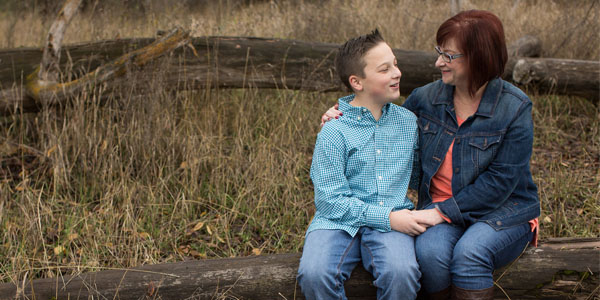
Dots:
pixel 224 173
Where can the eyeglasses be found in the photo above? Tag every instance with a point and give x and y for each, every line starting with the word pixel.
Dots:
pixel 447 57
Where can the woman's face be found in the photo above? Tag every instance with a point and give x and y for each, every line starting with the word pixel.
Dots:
pixel 455 72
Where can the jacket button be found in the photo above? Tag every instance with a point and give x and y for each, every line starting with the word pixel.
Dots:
pixel 499 223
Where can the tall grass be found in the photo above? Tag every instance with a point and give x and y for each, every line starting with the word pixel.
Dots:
pixel 562 26
pixel 220 173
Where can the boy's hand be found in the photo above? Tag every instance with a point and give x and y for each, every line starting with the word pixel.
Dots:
pixel 427 217
pixel 404 221
pixel 332 113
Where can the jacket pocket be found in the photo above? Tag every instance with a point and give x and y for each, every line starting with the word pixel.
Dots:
pixel 428 131
pixel 484 149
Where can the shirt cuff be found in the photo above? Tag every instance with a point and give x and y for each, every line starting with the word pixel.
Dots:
pixel 378 217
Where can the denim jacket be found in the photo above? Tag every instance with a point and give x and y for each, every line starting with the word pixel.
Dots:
pixel 491 180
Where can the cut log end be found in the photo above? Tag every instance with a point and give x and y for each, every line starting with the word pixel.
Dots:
pixel 526 72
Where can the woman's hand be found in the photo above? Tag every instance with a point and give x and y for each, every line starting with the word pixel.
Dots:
pixel 332 113
pixel 404 221
pixel 427 217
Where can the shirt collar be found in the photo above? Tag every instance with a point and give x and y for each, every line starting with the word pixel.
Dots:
pixel 354 111
pixel 489 100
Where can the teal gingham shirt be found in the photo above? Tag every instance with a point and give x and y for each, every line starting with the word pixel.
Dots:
pixel 361 168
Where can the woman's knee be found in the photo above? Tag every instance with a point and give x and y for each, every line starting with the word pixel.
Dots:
pixel 472 255
pixel 433 249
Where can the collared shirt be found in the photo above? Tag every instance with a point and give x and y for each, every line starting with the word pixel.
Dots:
pixel 361 168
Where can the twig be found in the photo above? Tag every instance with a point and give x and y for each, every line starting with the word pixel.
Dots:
pixel 106 268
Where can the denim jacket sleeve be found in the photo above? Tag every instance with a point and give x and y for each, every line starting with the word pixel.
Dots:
pixel 493 186
pixel 334 198
pixel 415 177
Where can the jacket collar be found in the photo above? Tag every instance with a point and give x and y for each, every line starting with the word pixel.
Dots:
pixel 489 100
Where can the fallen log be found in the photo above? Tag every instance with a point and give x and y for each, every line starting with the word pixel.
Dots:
pixel 558 269
pixel 238 62
pixel 560 76
pixel 36 92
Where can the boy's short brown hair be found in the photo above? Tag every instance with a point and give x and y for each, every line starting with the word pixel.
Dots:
pixel 349 59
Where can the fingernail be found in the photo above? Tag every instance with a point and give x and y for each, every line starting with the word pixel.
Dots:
pixel 341 114
pixel 337 117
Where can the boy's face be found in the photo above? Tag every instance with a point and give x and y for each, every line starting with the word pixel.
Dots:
pixel 382 76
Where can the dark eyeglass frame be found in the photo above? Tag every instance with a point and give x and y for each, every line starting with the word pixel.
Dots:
pixel 447 57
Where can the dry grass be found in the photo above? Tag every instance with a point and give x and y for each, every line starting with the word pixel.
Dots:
pixel 221 173
pixel 563 26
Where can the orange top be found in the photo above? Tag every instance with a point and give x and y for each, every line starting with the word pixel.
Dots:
pixel 441 183
pixel 441 187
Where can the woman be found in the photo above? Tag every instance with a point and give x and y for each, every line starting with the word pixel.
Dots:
pixel 476 139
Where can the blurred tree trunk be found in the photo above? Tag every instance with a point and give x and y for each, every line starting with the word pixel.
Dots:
pixel 455 7
pixel 49 67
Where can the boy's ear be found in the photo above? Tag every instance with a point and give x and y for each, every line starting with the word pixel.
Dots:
pixel 355 82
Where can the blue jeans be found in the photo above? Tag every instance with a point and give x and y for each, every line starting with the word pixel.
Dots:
pixel 467 257
pixel 330 255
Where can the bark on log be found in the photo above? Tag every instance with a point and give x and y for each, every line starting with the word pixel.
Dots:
pixel 234 62
pixel 558 269
pixel 561 76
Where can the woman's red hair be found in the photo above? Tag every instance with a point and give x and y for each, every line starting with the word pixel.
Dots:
pixel 479 35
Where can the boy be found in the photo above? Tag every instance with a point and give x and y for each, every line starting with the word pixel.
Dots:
pixel 361 169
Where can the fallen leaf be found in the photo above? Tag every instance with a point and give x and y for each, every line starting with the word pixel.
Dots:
pixel 209 230
pixel 579 211
pixel 50 151
pixel 59 250
pixel 198 226
pixel 256 251
pixel 197 254
pixel 547 219
pixel 184 249
pixel 72 236
pixel 144 235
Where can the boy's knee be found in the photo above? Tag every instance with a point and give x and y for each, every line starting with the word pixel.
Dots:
pixel 399 280
pixel 315 277
pixel 401 271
